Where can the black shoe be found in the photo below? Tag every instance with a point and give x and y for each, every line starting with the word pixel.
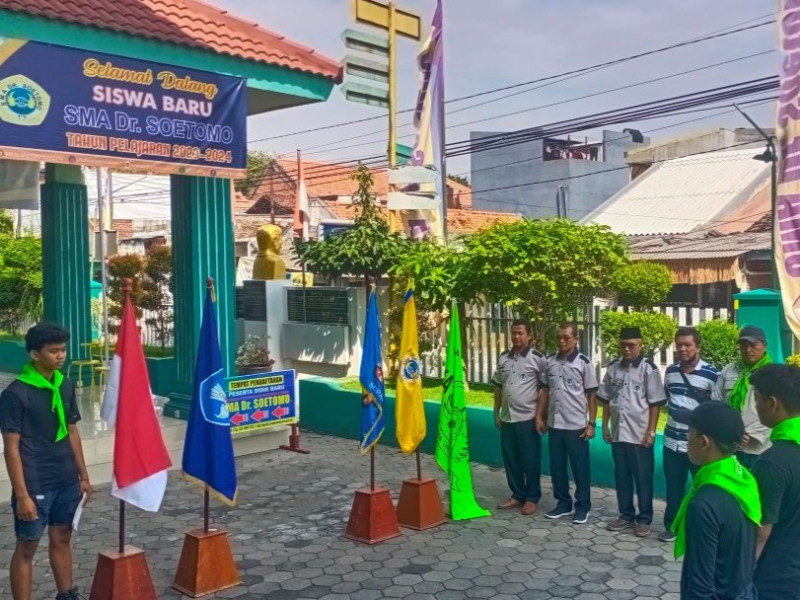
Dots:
pixel 580 517
pixel 667 536
pixel 557 513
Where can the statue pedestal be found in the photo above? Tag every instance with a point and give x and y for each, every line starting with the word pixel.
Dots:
pixel 265 314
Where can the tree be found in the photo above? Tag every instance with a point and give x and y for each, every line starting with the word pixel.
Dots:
pixel 546 269
pixel 20 279
pixel 459 179
pixel 438 272
pixel 719 342
pixel 367 249
pixel 6 223
pixel 658 330
pixel 121 267
pixel 156 289
pixel 258 162
pixel 642 284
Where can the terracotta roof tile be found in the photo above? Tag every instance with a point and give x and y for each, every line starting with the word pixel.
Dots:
pixel 185 22
pixel 325 180
pixel 459 221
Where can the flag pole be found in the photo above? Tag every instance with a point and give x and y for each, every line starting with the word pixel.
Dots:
pixel 122 527
pixel 127 289
pixel 419 466
pixel 206 518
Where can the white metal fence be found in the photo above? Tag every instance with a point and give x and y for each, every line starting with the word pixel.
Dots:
pixel 488 334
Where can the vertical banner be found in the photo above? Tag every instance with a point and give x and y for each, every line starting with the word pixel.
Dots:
pixel 787 208
pixel 429 121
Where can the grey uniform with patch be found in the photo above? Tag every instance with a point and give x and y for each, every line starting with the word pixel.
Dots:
pixel 520 377
pixel 630 390
pixel 569 379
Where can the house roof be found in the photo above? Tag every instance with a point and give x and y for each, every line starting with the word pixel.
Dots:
pixel 680 195
pixel 326 180
pixel 698 246
pixel 459 221
pixel 749 215
pixel 184 22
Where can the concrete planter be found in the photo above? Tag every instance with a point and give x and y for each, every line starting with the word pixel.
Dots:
pixel 328 409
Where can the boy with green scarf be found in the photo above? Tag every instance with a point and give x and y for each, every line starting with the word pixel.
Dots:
pixel 733 387
pixel 716 524
pixel 44 457
pixel 777 394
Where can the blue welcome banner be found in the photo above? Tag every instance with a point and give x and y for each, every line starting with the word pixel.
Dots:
pixel 72 106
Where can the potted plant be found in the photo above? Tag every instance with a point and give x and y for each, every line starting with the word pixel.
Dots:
pixel 253 357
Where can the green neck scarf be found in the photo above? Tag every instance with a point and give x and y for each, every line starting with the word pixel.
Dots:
pixel 739 391
pixel 788 430
pixel 32 377
pixel 731 476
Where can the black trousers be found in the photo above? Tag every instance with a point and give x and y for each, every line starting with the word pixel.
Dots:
pixel 566 446
pixel 634 465
pixel 521 447
pixel 677 467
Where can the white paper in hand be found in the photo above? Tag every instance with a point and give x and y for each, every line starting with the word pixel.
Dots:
pixel 78 512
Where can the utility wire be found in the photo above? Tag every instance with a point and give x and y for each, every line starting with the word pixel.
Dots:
pixel 642 111
pixel 315 149
pixel 682 44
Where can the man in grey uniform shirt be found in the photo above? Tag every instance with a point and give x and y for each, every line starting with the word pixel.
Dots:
pixel 520 387
pixel 631 394
pixel 571 414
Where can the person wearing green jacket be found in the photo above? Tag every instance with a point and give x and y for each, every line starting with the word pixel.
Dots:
pixel 716 525
pixel 733 387
pixel 777 470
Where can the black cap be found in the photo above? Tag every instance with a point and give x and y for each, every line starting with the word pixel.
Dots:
pixel 630 333
pixel 751 333
pixel 720 422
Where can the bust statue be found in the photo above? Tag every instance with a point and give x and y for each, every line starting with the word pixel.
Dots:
pixel 268 264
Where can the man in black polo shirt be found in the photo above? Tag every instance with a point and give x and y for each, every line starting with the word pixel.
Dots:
pixel 716 524
pixel 44 458
pixel 777 470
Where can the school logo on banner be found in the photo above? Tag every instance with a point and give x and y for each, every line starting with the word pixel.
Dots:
pixel 214 400
pixel 23 101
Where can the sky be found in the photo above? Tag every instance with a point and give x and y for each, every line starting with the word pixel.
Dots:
pixel 520 40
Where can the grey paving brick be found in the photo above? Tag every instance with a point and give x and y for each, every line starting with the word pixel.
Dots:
pixel 288 540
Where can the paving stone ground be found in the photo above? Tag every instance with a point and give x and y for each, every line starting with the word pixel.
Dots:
pixel 287 539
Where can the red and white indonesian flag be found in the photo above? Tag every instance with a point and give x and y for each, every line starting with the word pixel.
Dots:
pixel 301 211
pixel 141 460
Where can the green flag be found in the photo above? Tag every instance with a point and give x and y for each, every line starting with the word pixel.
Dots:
pixel 452 443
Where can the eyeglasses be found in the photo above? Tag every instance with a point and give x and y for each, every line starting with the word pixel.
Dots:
pixel 564 337
pixel 629 345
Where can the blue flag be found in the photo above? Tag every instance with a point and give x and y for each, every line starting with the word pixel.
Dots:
pixel 371 378
pixel 208 449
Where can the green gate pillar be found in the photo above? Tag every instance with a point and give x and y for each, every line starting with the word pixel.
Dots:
pixel 764 309
pixel 65 255
pixel 202 246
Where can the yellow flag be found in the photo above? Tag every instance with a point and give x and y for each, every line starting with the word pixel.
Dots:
pixel 410 407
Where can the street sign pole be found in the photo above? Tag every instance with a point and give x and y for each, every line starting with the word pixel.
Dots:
pixel 392 86
pixel 394 218
pixel 396 22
